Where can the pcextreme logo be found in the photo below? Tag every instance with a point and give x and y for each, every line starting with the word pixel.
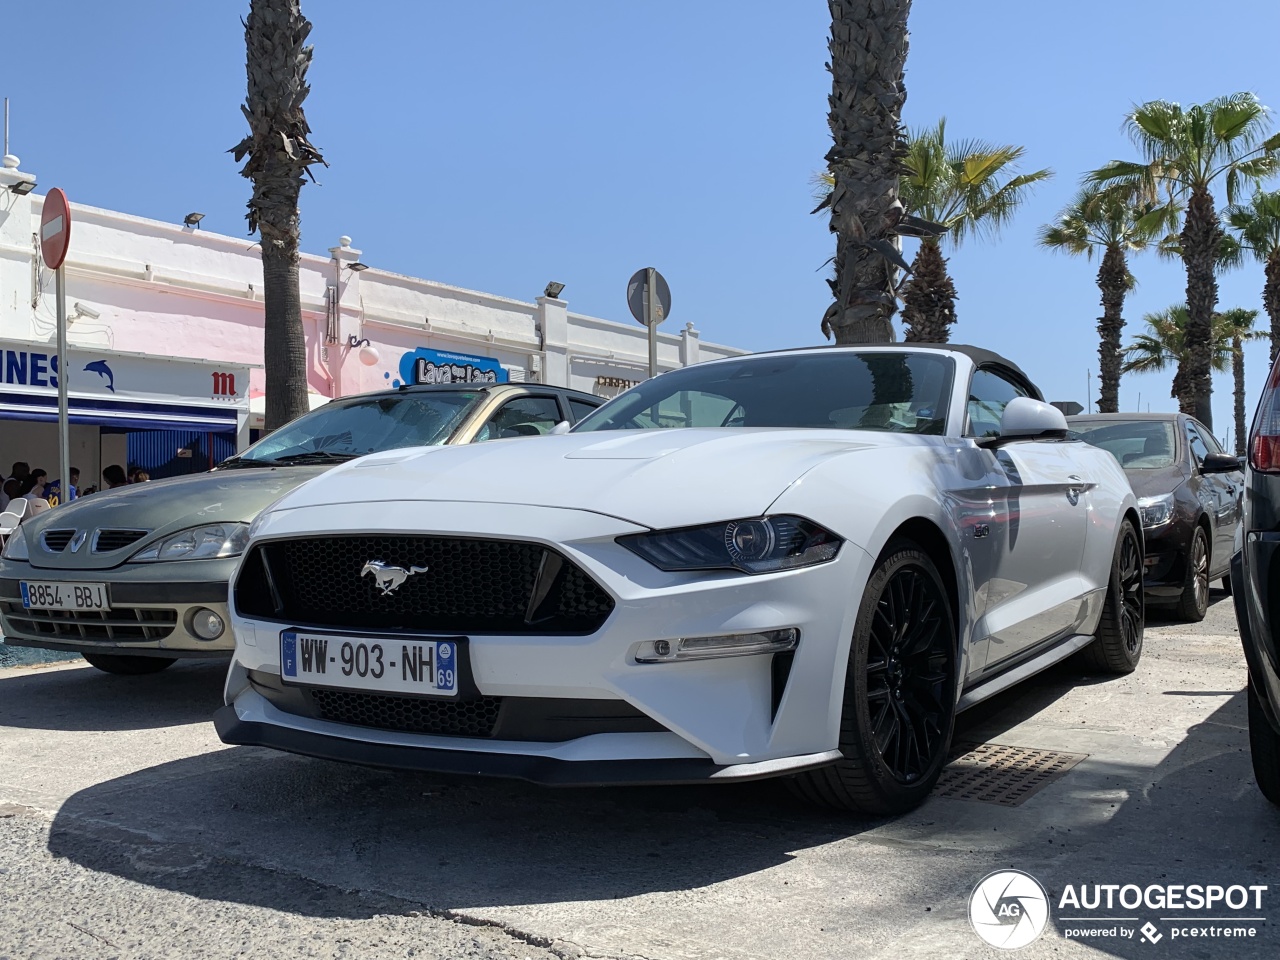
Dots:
pixel 1009 909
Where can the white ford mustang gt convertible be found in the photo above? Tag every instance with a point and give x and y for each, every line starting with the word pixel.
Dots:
pixel 797 564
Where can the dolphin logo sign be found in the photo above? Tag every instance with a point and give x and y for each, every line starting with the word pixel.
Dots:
pixel 389 578
pixel 101 369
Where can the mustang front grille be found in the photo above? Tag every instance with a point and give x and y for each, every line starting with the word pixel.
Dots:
pixel 465 718
pixel 433 584
pixel 118 625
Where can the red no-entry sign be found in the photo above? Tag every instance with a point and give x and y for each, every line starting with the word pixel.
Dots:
pixel 55 228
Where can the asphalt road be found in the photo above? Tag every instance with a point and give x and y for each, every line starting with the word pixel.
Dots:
pixel 128 830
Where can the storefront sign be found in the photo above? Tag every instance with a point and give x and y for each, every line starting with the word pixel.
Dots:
pixel 436 366
pixel 108 387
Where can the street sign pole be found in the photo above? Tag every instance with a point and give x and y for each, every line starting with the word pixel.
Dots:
pixel 64 431
pixel 55 236
pixel 651 320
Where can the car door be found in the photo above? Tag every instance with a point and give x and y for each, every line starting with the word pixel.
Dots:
pixel 1219 492
pixel 1027 574
pixel 531 415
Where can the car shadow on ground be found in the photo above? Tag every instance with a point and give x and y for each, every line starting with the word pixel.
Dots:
pixel 87 699
pixel 447 841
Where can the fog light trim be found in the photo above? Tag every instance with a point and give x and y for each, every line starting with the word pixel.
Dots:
pixel 207 625
pixel 725 645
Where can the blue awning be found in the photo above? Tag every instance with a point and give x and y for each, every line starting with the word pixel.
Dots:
pixel 126 414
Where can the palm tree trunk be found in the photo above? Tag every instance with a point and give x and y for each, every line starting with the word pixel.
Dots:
pixel 1112 276
pixel 1271 299
pixel 285 343
pixel 279 153
pixel 1237 370
pixel 1200 237
pixel 929 297
pixel 868 49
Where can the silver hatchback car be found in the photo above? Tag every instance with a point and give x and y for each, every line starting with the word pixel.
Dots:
pixel 136 578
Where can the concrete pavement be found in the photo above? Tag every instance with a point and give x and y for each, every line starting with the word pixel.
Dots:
pixel 127 829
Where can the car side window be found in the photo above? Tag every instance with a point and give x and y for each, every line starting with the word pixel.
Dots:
pixel 989 394
pixel 1209 439
pixel 1199 450
pixel 521 417
pixel 580 408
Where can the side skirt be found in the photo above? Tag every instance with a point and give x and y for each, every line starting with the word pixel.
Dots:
pixel 990 686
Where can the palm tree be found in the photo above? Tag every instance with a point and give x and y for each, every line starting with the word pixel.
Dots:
pixel 1164 344
pixel 1258 224
pixel 1185 152
pixel 279 155
pixel 1115 222
pixel 1238 322
pixel 868 48
pixel 965 188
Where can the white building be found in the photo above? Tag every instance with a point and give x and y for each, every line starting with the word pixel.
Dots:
pixel 165 337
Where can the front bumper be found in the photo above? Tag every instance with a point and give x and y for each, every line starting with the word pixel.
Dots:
pixel 1165 557
pixel 545 769
pixel 722 718
pixel 152 608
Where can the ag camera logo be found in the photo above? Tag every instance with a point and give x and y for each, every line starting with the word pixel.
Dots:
pixel 1008 909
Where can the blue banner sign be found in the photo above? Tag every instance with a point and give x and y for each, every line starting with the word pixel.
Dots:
pixel 437 366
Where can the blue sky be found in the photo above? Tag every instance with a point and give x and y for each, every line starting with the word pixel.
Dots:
pixel 499 145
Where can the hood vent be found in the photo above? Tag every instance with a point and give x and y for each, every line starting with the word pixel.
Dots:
pixel 106 541
pixel 55 541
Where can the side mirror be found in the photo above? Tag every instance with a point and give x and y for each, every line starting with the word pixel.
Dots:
pixel 1220 463
pixel 1027 419
pixel 559 429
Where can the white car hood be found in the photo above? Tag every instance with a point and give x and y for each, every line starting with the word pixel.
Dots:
pixel 654 478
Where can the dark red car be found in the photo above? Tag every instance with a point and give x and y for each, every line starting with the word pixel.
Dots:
pixel 1189 492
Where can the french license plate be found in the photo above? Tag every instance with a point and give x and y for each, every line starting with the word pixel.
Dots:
pixel 63 595
pixel 384 664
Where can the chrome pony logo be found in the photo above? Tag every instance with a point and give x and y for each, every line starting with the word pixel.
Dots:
pixel 387 577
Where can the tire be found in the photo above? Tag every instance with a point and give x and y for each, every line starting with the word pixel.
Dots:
pixel 1193 604
pixel 1264 745
pixel 1117 645
pixel 128 666
pixel 900 682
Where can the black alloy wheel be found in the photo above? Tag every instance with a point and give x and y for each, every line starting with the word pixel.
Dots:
pixel 898 712
pixel 1193 604
pixel 1117 645
pixel 908 668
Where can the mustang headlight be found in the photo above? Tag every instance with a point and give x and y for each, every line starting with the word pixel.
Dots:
pixel 15 548
pixel 757 545
pixel 1156 510
pixel 214 541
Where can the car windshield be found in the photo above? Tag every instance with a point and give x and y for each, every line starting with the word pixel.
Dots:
pixel 903 392
pixel 1137 444
pixel 346 429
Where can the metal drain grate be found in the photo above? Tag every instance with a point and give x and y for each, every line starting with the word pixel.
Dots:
pixel 1000 774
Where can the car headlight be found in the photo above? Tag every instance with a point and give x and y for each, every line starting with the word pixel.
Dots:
pixel 15 548
pixel 214 541
pixel 1156 510
pixel 756 545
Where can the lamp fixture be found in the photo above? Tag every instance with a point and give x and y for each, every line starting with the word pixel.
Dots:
pixel 369 355
pixel 357 266
pixel 193 220
pixel 553 290
pixel 22 187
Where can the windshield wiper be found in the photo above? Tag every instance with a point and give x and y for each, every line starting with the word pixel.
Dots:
pixel 314 456
pixel 235 463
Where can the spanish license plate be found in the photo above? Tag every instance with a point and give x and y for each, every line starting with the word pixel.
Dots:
pixel 387 665
pixel 63 595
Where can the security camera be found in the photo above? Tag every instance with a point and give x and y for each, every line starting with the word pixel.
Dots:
pixel 82 311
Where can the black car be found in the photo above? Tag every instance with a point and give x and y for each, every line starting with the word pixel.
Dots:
pixel 1255 581
pixel 1189 493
